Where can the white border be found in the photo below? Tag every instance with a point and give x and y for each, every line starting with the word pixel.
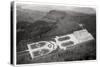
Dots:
pixel 55 4
pixel 5 34
pixel 45 3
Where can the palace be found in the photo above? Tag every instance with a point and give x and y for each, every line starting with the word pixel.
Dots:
pixel 42 48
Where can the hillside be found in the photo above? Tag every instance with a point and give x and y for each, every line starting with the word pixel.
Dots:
pixel 54 23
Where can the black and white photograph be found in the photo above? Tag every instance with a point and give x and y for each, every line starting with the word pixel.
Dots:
pixel 54 33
